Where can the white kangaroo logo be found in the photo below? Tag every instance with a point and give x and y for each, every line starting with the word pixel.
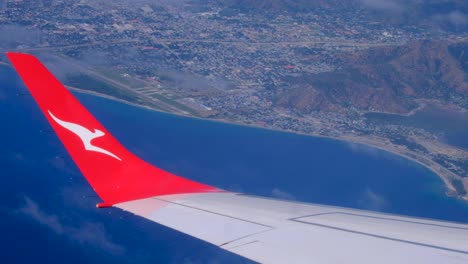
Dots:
pixel 85 135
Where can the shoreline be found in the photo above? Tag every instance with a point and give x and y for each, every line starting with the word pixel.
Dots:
pixel 345 139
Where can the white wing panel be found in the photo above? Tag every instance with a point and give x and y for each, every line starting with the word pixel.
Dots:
pixel 412 231
pixel 273 231
pixel 215 228
pixel 312 244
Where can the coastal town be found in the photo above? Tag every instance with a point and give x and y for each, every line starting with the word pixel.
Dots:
pixel 259 69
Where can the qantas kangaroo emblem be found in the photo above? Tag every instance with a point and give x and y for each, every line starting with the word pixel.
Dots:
pixel 85 135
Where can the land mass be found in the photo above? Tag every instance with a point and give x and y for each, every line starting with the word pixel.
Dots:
pixel 320 68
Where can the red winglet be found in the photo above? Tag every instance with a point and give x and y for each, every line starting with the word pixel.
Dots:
pixel 116 174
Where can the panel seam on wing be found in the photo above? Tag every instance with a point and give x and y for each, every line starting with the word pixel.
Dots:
pixel 246 236
pixel 380 236
pixel 208 211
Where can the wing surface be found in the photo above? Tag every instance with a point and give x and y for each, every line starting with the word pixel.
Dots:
pixel 275 231
pixel 264 230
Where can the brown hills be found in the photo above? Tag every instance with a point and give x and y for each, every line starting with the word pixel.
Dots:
pixel 386 79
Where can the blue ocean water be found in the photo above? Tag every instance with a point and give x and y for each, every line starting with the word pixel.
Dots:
pixel 48 211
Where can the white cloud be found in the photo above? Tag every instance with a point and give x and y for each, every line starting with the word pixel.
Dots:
pixel 389 5
pixel 3 95
pixel 371 200
pixel 19 156
pixel 13 36
pixel 94 234
pixel 32 210
pixel 85 233
pixel 63 165
pixel 278 193
pixel 79 194
pixel 457 18
pixel 362 148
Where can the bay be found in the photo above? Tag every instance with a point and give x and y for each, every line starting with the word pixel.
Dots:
pixel 450 125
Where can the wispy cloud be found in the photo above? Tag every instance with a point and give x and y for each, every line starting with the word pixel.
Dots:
pixel 19 156
pixel 278 193
pixel 59 66
pixel 86 233
pixel 456 18
pixel 14 36
pixel 79 194
pixel 61 164
pixel 361 148
pixel 95 235
pixel 388 5
pixel 3 95
pixel 373 201
pixel 191 82
pixel 32 210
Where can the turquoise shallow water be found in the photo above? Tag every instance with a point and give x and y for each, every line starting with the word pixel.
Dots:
pixel 48 209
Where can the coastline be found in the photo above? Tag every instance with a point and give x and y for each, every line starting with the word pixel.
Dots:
pixel 421 105
pixel 444 174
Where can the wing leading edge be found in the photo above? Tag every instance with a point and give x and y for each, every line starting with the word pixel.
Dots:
pixel 263 230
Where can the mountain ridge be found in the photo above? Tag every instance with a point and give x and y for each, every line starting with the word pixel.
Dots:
pixel 385 79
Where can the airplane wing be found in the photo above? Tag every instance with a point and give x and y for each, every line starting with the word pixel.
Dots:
pixel 261 229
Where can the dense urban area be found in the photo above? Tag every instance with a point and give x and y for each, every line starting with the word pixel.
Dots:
pixel 336 73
